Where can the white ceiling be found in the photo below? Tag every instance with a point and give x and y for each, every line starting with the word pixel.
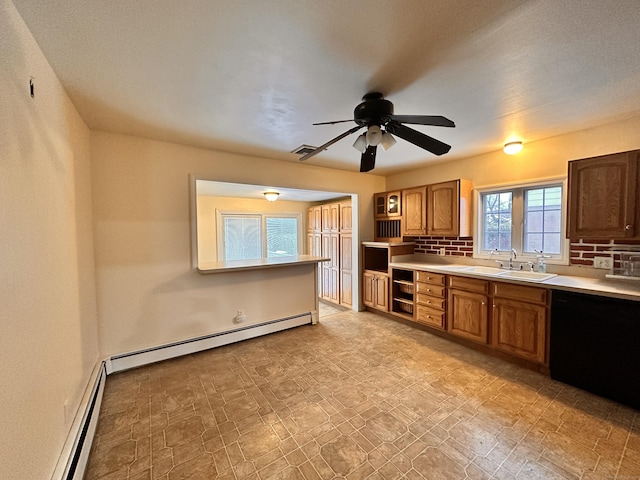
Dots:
pixel 256 192
pixel 251 76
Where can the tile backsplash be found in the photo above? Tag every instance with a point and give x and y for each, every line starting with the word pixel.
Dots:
pixel 453 246
pixel 582 252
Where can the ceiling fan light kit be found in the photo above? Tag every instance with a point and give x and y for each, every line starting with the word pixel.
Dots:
pixel 374 113
pixel 512 148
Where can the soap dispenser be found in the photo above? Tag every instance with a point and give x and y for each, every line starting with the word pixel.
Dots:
pixel 542 264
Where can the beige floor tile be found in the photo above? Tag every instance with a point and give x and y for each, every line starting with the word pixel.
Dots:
pixel 357 396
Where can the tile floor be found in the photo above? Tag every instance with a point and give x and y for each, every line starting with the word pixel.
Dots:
pixel 357 396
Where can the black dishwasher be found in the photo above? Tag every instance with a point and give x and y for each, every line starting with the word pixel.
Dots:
pixel 595 345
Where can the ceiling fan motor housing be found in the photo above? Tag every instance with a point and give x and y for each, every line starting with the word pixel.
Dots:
pixel 373 111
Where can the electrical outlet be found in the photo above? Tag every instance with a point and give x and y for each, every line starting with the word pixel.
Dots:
pixel 442 252
pixel 605 263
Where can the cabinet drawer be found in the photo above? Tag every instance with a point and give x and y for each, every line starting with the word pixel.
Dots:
pixel 428 277
pixel 469 284
pixel 520 292
pixel 432 302
pixel 430 317
pixel 428 289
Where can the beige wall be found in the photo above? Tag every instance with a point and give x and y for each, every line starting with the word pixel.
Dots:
pixel 148 293
pixel 48 344
pixel 207 206
pixel 538 160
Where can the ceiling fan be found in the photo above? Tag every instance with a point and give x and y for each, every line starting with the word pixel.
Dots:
pixel 376 114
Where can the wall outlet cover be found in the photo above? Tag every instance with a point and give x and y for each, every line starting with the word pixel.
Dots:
pixel 606 263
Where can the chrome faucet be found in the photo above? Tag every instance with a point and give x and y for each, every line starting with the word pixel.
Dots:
pixel 512 257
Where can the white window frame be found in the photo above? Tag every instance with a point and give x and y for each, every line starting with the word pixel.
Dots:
pixel 220 214
pixel 518 221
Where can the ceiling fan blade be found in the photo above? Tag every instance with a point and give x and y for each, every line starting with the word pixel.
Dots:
pixel 368 159
pixel 435 120
pixel 329 143
pixel 335 121
pixel 420 139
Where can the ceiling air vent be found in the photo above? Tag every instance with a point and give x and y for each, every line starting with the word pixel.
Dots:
pixel 303 149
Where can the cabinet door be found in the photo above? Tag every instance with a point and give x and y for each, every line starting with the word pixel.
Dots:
pixel 603 197
pixel 414 208
pixel 345 218
pixel 334 217
pixel 382 293
pixel 368 289
pixel 326 266
pixel 519 328
pixel 346 265
pixel 394 204
pixel 326 218
pixel 467 315
pixel 314 219
pixel 443 209
pixel 380 205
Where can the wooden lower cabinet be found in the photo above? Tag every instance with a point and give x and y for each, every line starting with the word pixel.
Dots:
pixel 519 321
pixel 519 328
pixel 468 308
pixel 468 315
pixel 430 300
pixel 375 291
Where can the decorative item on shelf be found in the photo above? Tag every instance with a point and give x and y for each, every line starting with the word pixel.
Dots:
pixel 512 148
pixel 272 196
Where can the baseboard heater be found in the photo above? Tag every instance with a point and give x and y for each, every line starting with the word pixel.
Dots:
pixel 75 454
pixel 126 361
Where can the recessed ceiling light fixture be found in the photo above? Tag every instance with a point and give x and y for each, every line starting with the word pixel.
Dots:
pixel 512 148
pixel 271 196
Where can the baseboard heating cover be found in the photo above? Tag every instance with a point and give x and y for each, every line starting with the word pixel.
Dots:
pixel 75 454
pixel 126 361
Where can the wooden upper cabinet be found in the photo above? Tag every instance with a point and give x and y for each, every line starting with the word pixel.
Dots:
pixel 603 197
pixel 345 218
pixel 414 211
pixel 387 204
pixel 449 209
pixel 334 217
pixel 314 219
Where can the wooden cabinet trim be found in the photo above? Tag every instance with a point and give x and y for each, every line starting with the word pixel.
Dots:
pixel 469 284
pixel 522 293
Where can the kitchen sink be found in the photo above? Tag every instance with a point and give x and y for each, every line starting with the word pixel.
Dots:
pixel 525 275
pixel 482 270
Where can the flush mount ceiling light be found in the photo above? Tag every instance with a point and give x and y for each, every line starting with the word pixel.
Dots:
pixel 512 148
pixel 271 196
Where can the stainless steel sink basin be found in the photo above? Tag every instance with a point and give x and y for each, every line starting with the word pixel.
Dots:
pixel 525 275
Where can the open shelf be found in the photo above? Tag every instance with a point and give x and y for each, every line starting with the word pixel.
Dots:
pixel 402 292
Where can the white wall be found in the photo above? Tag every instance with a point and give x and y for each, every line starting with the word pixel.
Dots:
pixel 48 344
pixel 148 293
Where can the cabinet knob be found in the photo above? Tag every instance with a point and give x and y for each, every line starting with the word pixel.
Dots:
pixel 627 227
pixel 428 302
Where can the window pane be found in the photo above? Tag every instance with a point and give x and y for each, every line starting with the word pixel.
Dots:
pixel 242 238
pixel 282 236
pixel 497 221
pixel 543 220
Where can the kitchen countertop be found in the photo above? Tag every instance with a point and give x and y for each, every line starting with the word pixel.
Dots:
pixel 624 289
pixel 258 263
